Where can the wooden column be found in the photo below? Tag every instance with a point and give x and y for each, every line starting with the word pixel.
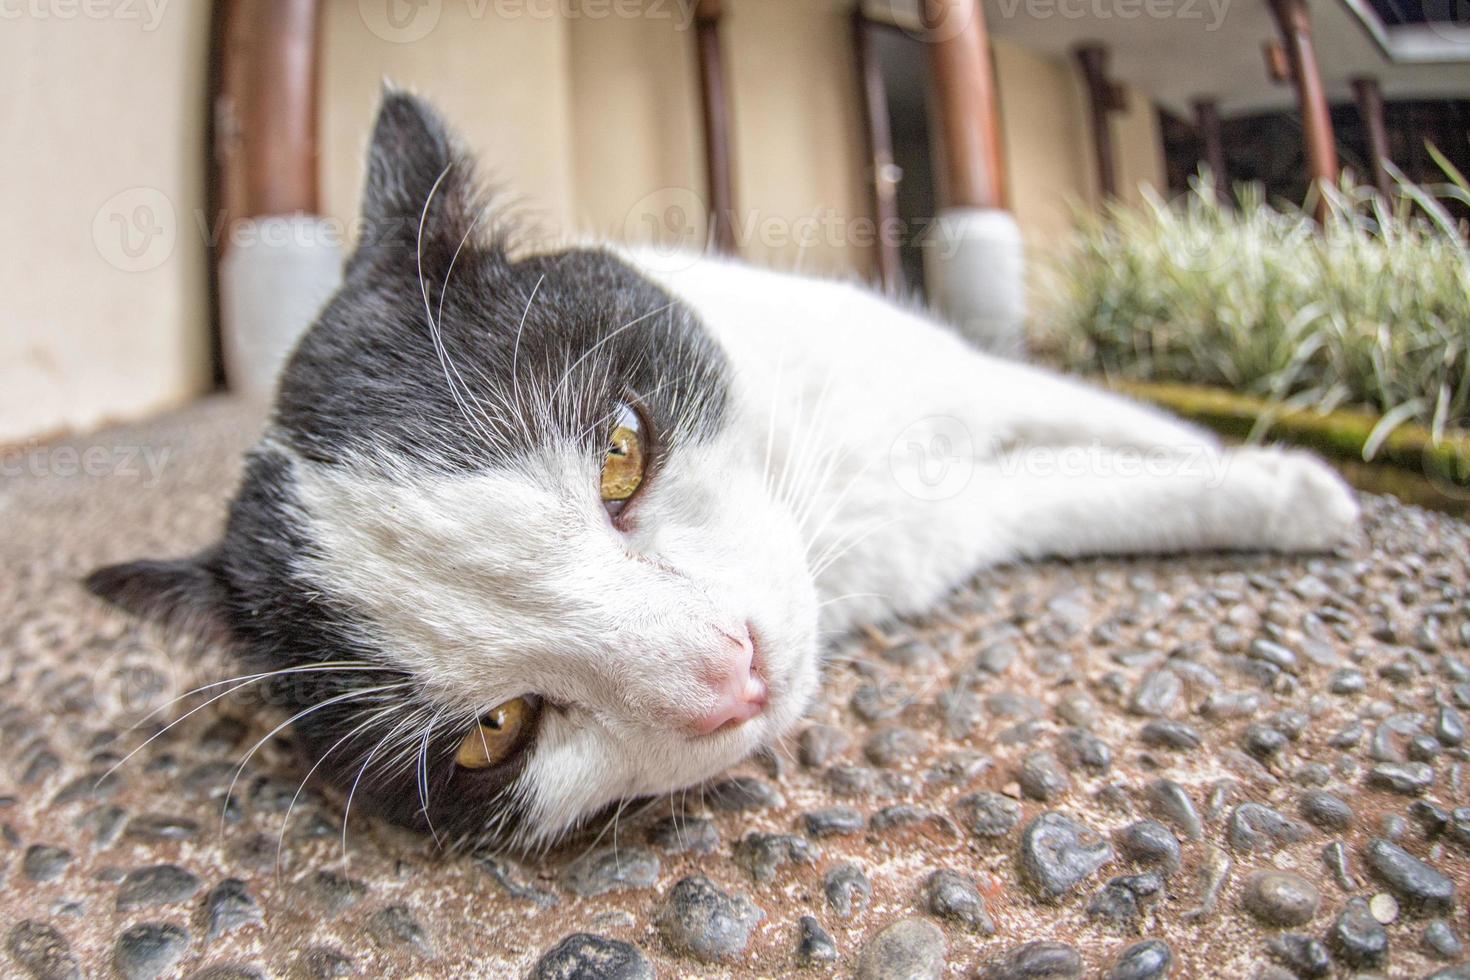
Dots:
pixel 964 89
pixel 1104 98
pixel 719 178
pixel 266 114
pixel 1370 107
pixel 883 179
pixel 1212 144
pixel 1295 24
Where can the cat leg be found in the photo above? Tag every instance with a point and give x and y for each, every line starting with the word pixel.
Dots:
pixel 1111 502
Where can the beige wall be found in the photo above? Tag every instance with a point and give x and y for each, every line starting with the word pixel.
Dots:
pixel 101 122
pixel 592 119
pixel 637 139
pixel 798 150
pixel 501 81
pixel 1048 143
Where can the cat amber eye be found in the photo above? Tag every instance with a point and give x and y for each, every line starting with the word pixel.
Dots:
pixel 497 734
pixel 625 460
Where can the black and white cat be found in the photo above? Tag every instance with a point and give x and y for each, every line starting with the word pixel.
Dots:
pixel 534 534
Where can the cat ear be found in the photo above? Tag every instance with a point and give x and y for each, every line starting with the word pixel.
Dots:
pixel 183 594
pixel 420 189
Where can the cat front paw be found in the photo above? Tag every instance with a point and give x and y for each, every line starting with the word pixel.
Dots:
pixel 1313 508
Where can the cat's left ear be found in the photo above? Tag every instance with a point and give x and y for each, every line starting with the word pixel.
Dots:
pixel 420 198
pixel 183 595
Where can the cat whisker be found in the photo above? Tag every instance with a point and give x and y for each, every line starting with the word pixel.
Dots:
pixel 336 699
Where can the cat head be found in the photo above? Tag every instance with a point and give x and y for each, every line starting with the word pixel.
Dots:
pixel 508 537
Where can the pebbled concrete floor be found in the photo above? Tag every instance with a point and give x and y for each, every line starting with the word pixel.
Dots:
pixel 1231 766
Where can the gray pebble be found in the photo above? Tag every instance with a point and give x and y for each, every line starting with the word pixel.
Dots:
pixel 1281 898
pixel 1441 941
pixel 894 746
pixel 1082 748
pixel 816 945
pixel 962 711
pixel 1263 741
pixel 740 793
pixel 1057 853
pixel 847 888
pixel 1307 957
pixel 1039 960
pixel 1335 856
pixel 910 949
pixel 1347 682
pixel 1147 960
pixel 820 744
pixel 1324 810
pixel 608 869
pixel 1408 778
pixel 1357 936
pixel 229 907
pixel 1417 885
pixel 332 893
pixel 1156 693
pixel 700 920
pixel 583 956
pixel 1041 777
pixel 1170 735
pixel 324 963
pixel 680 834
pixel 989 814
pixel 1448 727
pixel 1118 902
pixel 42 862
pixel 763 854
pixel 951 895
pixel 149 950
pixel 159 827
pixel 833 821
pixel 396 927
pixel 1151 844
pixel 161 884
pixel 42 951
pixel 1171 801
pixel 1255 827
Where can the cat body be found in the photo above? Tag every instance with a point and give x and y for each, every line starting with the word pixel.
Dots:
pixel 531 535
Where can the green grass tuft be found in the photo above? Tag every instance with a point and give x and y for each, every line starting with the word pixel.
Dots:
pixel 1371 309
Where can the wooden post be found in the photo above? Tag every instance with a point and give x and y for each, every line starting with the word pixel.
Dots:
pixel 718 172
pixel 964 88
pixel 1103 100
pixel 1212 144
pixel 267 112
pixel 1295 23
pixel 1370 107
pixel 883 179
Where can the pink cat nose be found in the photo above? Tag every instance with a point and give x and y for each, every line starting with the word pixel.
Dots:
pixel 740 692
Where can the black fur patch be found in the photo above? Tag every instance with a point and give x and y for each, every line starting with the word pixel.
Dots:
pixel 520 353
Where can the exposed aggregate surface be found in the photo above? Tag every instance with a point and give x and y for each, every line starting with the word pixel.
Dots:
pixel 1221 766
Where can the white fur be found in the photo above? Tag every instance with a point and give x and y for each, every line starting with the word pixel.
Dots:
pixel 873 462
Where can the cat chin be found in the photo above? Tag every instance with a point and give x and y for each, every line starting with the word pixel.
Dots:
pixel 585 777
